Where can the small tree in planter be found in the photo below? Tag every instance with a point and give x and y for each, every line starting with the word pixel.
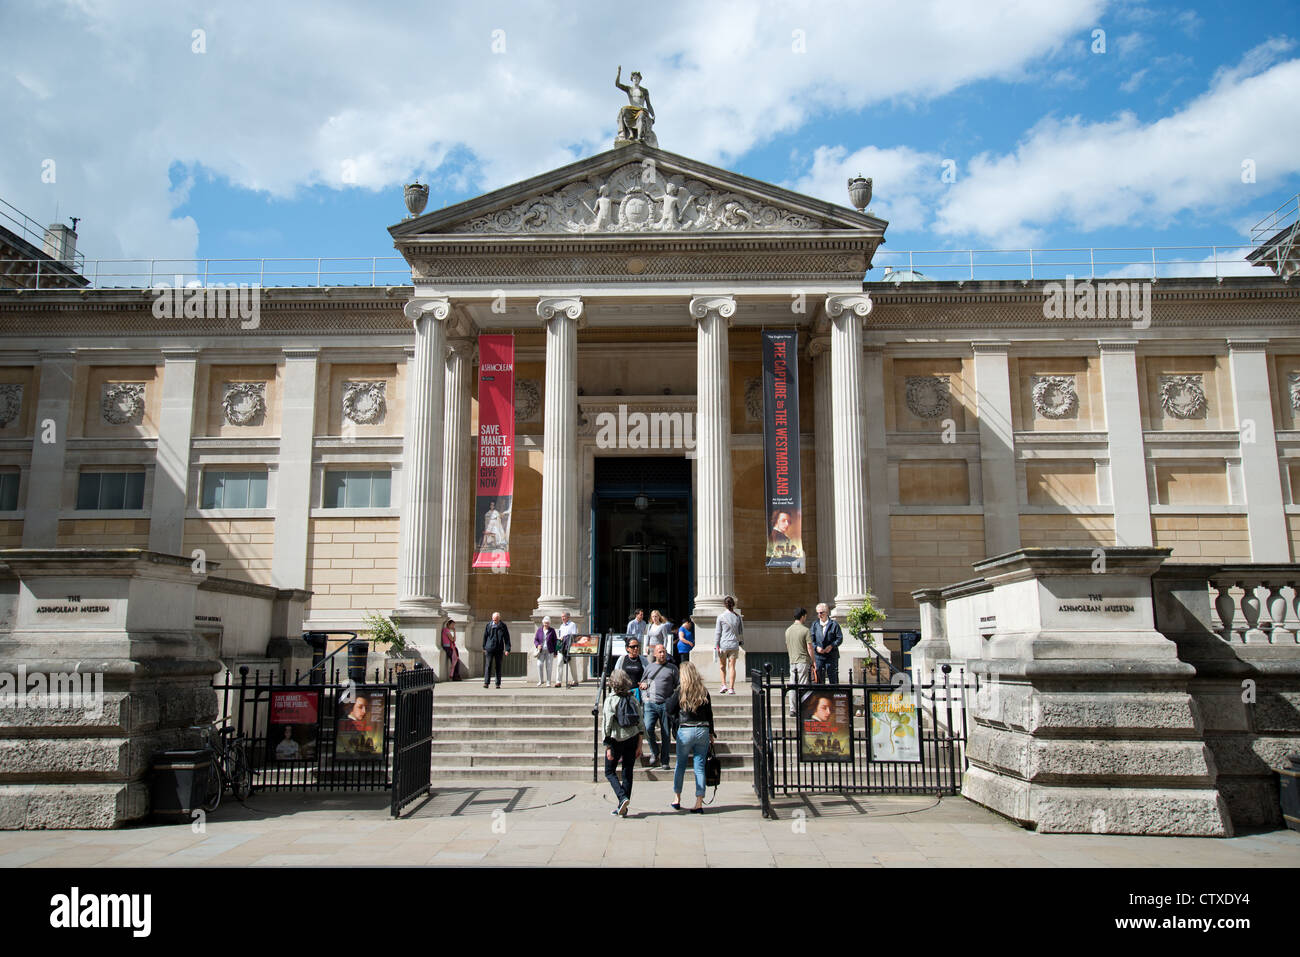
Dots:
pixel 384 629
pixel 859 619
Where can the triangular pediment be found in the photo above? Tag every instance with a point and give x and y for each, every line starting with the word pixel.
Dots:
pixel 637 190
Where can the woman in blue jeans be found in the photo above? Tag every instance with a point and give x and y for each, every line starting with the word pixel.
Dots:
pixel 692 711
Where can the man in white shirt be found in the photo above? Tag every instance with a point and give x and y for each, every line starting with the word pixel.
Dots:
pixel 566 666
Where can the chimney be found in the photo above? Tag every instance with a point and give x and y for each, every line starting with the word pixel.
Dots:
pixel 61 243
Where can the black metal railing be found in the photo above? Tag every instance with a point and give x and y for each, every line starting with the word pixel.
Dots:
pixel 941 713
pixel 413 737
pixel 602 685
pixel 313 736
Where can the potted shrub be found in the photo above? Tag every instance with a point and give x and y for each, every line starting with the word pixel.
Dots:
pixel 384 629
pixel 859 620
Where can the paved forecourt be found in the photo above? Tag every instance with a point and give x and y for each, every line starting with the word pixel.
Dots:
pixel 568 823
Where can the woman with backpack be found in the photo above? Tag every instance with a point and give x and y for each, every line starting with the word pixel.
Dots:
pixel 621 721
pixel 693 711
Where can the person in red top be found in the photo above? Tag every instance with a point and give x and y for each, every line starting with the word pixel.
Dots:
pixel 449 647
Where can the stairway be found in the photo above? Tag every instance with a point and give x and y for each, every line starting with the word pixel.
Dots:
pixel 525 733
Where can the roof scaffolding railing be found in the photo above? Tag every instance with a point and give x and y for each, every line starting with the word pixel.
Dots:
pixel 1275 222
pixel 940 265
pixel 29 229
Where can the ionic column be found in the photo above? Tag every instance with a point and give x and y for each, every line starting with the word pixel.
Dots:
pixel 852 523
pixel 560 524
pixel 820 350
pixel 453 580
pixel 419 561
pixel 1252 399
pixel 714 542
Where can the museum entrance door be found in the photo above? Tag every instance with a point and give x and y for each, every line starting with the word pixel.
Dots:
pixel 641 526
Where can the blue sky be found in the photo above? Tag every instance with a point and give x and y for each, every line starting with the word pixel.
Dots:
pixel 290 132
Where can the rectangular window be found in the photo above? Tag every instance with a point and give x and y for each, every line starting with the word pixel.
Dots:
pixel 357 489
pixel 9 491
pixel 111 490
pixel 241 489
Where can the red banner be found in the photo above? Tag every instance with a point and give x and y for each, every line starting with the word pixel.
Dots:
pixel 496 451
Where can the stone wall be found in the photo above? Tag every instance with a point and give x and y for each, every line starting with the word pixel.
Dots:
pixel 242 547
pixel 930 548
pixel 1203 538
pixel 351 567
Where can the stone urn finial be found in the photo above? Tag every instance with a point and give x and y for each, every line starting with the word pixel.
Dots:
pixel 417 196
pixel 859 192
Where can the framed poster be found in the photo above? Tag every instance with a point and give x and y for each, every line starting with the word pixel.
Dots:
pixel 292 725
pixel 361 725
pixel 826 726
pixel 584 645
pixel 894 724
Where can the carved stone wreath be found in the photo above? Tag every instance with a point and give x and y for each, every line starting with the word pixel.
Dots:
pixel 1183 396
pixel 363 402
pixel 1055 396
pixel 1293 380
pixel 244 403
pixel 928 396
pixel 754 399
pixel 528 400
pixel 123 403
pixel 635 195
pixel 11 402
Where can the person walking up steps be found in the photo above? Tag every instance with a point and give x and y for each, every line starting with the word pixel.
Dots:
pixel 621 721
pixel 728 639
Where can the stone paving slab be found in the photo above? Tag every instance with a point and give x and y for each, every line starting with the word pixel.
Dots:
pixel 569 824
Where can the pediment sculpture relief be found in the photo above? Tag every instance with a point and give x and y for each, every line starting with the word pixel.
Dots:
pixel 638 197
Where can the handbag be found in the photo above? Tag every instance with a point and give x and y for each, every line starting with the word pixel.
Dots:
pixel 712 769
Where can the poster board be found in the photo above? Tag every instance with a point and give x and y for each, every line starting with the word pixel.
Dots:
pixel 893 726
pixel 826 726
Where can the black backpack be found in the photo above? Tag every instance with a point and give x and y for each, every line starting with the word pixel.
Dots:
pixel 625 712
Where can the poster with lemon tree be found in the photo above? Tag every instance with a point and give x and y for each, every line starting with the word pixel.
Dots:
pixel 895 726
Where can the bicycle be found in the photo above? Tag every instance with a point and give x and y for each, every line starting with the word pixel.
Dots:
pixel 228 765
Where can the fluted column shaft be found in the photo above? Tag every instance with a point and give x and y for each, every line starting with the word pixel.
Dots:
pixel 714 540
pixel 453 580
pixel 560 525
pixel 825 468
pixel 419 561
pixel 852 525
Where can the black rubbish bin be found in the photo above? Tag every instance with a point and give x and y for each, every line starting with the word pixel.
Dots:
pixel 179 784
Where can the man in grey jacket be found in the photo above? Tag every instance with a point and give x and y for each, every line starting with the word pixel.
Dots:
pixel 826 638
pixel 659 682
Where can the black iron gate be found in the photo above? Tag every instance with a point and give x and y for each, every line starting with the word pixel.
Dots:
pixel 326 731
pixel 413 738
pixel 941 710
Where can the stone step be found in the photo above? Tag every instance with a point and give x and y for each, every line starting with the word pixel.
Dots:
pixel 441 762
pixel 542 701
pixel 558 722
pixel 486 733
pixel 552 746
pixel 530 772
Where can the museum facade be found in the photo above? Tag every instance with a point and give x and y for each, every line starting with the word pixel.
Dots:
pixel 328 439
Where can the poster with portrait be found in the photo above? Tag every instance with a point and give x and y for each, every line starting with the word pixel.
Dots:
pixel 584 645
pixel 781 476
pixel 293 718
pixel 894 723
pixel 495 472
pixel 826 726
pixel 361 725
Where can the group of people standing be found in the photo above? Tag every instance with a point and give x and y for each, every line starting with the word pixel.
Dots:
pixel 814 652
pixel 728 638
pixel 647 697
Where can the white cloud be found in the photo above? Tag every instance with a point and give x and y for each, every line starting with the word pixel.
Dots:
pixel 292 95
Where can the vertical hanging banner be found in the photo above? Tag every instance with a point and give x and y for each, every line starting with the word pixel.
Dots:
pixel 495 484
pixel 781 450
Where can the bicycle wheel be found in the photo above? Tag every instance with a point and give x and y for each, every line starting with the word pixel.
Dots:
pixel 215 784
pixel 241 775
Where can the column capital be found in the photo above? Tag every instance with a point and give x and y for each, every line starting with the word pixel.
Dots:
pixel 1117 345
pixel 461 345
pixel 307 353
pixel 858 302
pixel 724 306
pixel 990 348
pixel 416 309
pixel 180 355
pixel 1247 345
pixel 549 306
pixel 819 345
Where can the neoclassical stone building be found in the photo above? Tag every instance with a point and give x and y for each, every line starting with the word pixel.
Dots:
pixel 329 445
